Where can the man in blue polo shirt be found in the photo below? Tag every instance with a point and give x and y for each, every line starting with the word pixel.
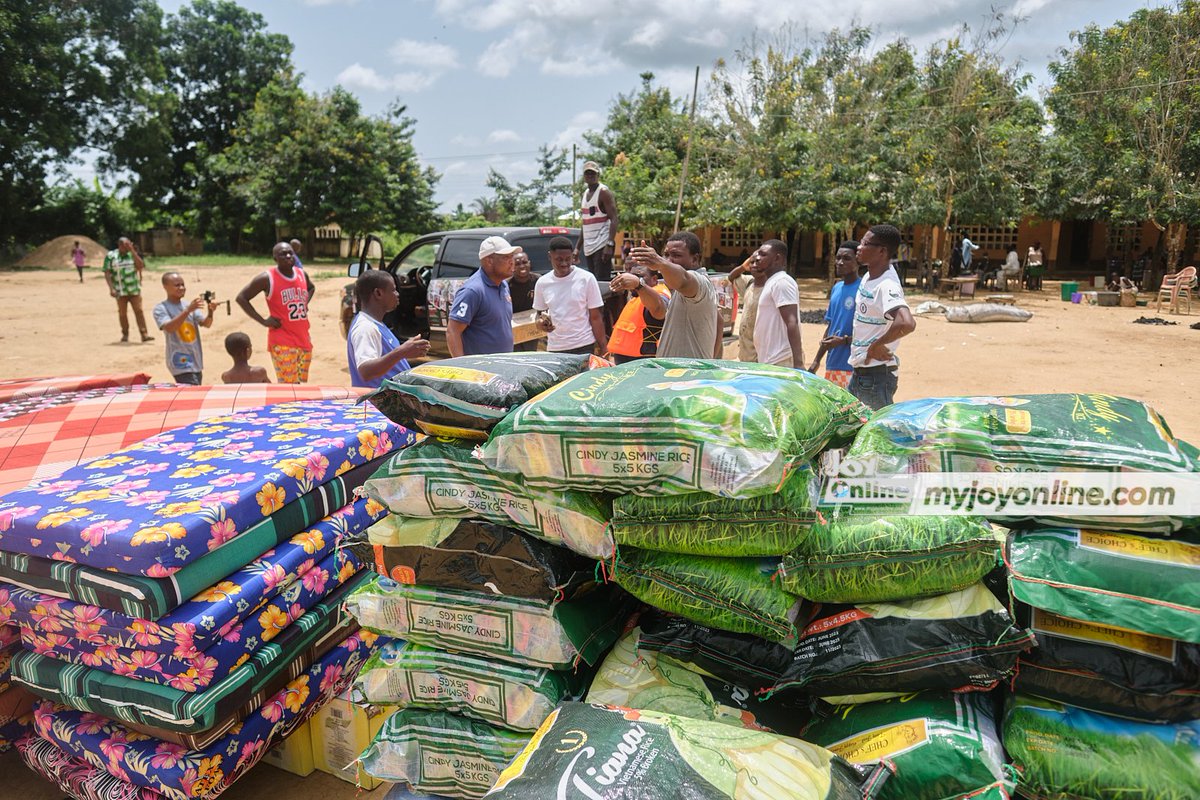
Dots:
pixel 481 314
pixel 372 350
pixel 840 317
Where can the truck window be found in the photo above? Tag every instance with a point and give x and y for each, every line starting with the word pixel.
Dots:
pixel 423 256
pixel 459 258
pixel 538 248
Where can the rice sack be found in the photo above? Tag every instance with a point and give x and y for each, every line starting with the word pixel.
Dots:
pixel 672 426
pixel 602 753
pixel 440 478
pixel 1067 753
pixel 473 555
pixel 410 675
pixel 737 658
pixel 1120 580
pixel 1110 670
pixel 859 558
pixel 959 641
pixel 703 524
pixel 528 632
pixel 733 594
pixel 942 745
pixel 647 680
pixel 464 397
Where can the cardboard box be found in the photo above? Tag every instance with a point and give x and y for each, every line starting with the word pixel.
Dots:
pixel 525 327
pixel 294 754
pixel 340 732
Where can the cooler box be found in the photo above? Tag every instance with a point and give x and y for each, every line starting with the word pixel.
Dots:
pixel 341 731
pixel 294 754
pixel 1069 288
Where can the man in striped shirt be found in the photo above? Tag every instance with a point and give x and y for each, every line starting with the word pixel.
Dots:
pixel 598 213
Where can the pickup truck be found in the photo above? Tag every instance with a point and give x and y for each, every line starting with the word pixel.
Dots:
pixel 432 268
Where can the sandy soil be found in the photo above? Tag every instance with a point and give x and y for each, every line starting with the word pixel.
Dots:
pixel 57 253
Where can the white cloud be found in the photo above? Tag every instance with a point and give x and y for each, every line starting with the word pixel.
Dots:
pixel 503 135
pixel 433 56
pixel 461 140
pixel 317 3
pixel 573 133
pixel 497 61
pixel 356 76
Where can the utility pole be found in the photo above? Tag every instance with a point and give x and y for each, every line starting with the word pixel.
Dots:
pixel 687 154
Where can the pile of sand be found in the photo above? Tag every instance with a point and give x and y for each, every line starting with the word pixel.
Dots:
pixel 56 253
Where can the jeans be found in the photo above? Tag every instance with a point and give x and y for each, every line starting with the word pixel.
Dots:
pixel 600 264
pixel 875 386
pixel 124 301
pixel 189 378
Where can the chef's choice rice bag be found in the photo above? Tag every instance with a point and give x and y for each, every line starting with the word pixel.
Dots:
pixel 704 524
pixel 672 426
pixel 1067 753
pixel 602 753
pixel 734 594
pixel 941 745
pixel 527 632
pixel 446 754
pixel 410 675
pixel 464 397
pixel 441 478
pixel 859 558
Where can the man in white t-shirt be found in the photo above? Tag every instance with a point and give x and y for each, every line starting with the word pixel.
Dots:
pixel 881 319
pixel 569 304
pixel 777 323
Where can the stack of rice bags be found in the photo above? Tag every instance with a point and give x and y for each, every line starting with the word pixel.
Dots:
pixel 181 596
pixel 1107 703
pixel 490 587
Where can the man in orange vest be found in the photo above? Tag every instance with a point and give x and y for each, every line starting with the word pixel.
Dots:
pixel 636 332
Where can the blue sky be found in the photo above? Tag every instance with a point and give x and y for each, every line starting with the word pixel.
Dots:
pixel 488 81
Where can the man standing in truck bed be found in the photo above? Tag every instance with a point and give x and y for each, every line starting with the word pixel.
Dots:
pixel 598 213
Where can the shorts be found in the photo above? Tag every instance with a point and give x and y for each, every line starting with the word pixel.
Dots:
pixel 188 378
pixel 291 363
pixel 600 264
pixel 839 376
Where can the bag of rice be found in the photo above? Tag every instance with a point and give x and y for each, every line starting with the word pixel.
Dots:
pixel 473 555
pixel 672 426
pixel 1110 670
pixel 409 675
pixel 866 559
pixel 1067 753
pixel 601 753
pixel 647 680
pixel 529 632
pixel 733 594
pixel 1121 580
pixel 959 641
pixel 941 744
pixel 464 397
pixel 441 478
pixel 703 524
pixel 433 751
pixel 737 658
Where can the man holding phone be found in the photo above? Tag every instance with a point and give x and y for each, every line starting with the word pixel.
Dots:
pixel 692 326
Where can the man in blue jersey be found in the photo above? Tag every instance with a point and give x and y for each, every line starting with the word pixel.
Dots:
pixel 373 351
pixel 840 318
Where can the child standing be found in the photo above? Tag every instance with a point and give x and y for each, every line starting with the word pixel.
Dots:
pixel 239 348
pixel 181 324
pixel 77 258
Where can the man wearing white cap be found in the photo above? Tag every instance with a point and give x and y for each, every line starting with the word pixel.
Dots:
pixel 481 314
pixel 598 212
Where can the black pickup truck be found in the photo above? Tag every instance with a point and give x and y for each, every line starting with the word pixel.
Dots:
pixel 433 267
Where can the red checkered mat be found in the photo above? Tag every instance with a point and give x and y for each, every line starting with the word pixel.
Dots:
pixel 42 444
pixel 19 388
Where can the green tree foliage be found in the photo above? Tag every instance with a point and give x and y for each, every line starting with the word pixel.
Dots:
pixel 1126 111
pixel 307 161
pixel 73 74
pixel 88 210
pixel 538 201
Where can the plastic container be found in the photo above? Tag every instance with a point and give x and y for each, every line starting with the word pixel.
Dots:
pixel 1069 288
pixel 1076 297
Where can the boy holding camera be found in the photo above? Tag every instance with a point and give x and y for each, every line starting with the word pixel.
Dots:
pixel 182 324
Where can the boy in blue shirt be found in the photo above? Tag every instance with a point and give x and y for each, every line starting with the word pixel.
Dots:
pixel 840 318
pixel 372 350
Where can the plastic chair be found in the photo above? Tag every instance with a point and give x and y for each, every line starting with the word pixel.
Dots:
pixel 1179 284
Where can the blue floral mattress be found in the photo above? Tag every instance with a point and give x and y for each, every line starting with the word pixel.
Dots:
pixel 157 506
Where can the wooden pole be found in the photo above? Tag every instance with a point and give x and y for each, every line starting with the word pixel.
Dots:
pixel 687 154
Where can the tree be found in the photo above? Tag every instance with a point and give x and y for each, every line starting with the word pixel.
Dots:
pixel 532 202
pixel 1126 107
pixel 308 161
pixel 73 73
pixel 217 56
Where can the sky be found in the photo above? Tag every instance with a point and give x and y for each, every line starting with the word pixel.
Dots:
pixel 489 81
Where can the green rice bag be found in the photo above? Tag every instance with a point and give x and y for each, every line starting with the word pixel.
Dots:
pixel 528 632
pixel 734 594
pixel 410 675
pixel 634 678
pixel 1065 753
pixel 464 397
pixel 440 478
pixel 703 524
pixel 673 426
pixel 1145 585
pixel 942 745
pixel 864 559
pixel 433 751
pixel 600 753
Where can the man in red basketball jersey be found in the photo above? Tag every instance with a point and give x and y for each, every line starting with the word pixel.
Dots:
pixel 288 292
